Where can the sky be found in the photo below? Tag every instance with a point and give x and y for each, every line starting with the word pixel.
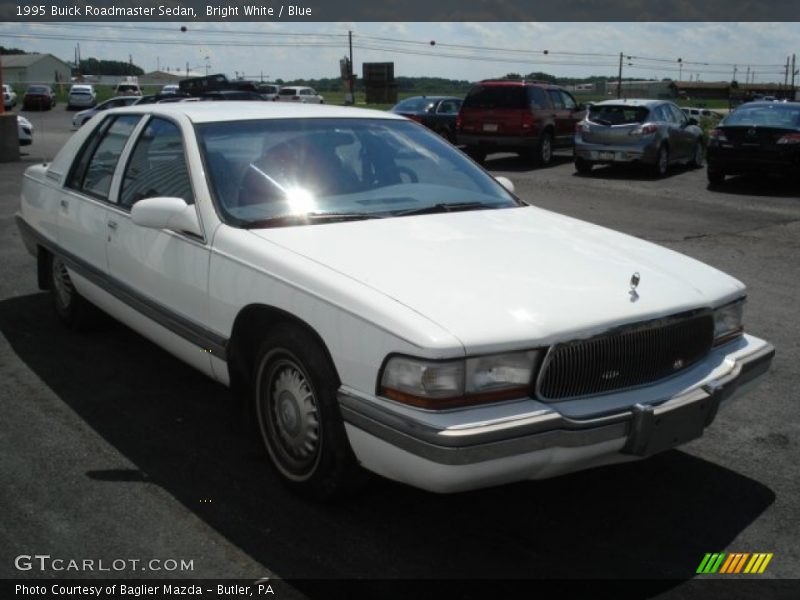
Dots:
pixel 468 51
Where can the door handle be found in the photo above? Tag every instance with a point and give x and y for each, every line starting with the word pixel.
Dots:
pixel 64 204
pixel 112 225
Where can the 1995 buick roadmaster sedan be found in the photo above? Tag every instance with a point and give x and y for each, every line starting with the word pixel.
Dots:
pixel 384 302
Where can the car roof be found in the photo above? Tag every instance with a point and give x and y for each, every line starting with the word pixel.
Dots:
pixel 212 112
pixel 646 102
pixel 517 83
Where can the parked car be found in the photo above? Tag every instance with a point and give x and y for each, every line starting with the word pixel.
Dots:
pixel 39 97
pixel 699 113
pixel 305 95
pixel 128 86
pixel 170 88
pixel 435 112
pixel 528 117
pixel 361 277
pixel 157 98
pixel 268 91
pixel 655 133
pixel 24 131
pixel 81 96
pixel 80 118
pixel 9 96
pixel 758 137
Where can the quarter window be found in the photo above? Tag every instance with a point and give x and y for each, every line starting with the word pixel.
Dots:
pixel 95 168
pixel 157 166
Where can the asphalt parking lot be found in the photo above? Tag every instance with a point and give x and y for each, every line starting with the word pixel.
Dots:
pixel 110 448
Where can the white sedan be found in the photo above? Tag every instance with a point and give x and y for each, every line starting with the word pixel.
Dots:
pixel 382 302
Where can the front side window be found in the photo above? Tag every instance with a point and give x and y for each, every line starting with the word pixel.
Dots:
pixel 157 167
pixel 263 171
pixel 94 168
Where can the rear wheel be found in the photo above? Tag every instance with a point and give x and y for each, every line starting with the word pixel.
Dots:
pixel 699 155
pixel 583 166
pixel 715 176
pixel 476 154
pixel 72 309
pixel 659 169
pixel 298 415
pixel 544 150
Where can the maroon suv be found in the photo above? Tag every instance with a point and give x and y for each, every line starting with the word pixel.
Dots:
pixel 39 97
pixel 531 118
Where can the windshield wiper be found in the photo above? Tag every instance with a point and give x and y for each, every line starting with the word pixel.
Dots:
pixel 443 207
pixel 308 219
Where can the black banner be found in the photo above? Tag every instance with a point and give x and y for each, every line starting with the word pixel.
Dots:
pixel 395 10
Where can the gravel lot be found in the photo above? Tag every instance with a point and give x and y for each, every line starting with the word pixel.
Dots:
pixel 110 448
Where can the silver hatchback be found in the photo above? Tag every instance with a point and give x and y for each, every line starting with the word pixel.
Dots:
pixel 655 133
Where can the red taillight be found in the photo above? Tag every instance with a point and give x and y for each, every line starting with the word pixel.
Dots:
pixel 790 138
pixel 645 129
pixel 718 135
pixel 416 118
pixel 295 97
pixel 528 121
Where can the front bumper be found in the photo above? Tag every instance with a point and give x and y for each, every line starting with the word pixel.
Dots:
pixel 457 450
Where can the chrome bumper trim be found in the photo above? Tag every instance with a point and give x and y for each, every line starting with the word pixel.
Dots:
pixel 539 430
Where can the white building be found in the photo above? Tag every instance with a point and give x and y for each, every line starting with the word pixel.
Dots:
pixel 34 68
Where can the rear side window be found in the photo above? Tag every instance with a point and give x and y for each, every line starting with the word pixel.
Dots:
pixel 157 166
pixel 497 96
pixel 537 98
pixel 98 160
pixel 556 98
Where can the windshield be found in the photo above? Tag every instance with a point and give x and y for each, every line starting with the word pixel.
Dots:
pixel 358 168
pixel 768 115
pixel 617 114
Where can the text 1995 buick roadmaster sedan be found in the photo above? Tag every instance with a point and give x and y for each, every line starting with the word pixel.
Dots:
pixel 384 302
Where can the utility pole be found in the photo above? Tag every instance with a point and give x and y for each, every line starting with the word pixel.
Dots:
pixel 735 68
pixel 794 72
pixel 350 70
pixel 680 69
pixel 619 79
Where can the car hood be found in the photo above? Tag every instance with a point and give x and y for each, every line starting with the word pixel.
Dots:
pixel 512 277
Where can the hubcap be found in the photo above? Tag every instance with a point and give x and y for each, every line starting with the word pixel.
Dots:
pixel 62 283
pixel 289 419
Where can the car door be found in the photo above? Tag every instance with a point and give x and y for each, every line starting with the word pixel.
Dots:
pixel 164 271
pixel 444 118
pixel 83 206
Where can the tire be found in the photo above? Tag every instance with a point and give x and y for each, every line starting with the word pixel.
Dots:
pixel 715 177
pixel 659 169
pixel 297 412
pixel 476 154
pixel 583 166
pixel 698 158
pixel 543 155
pixel 72 309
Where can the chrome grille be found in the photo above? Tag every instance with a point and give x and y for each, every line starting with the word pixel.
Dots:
pixel 626 357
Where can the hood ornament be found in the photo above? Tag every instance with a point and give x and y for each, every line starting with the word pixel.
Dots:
pixel 635 279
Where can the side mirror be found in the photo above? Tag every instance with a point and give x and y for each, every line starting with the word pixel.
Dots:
pixel 693 121
pixel 166 213
pixel 506 183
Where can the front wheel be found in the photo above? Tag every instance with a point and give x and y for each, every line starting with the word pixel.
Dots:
pixel 298 415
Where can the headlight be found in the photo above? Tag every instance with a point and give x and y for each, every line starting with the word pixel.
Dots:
pixel 445 384
pixel 728 322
